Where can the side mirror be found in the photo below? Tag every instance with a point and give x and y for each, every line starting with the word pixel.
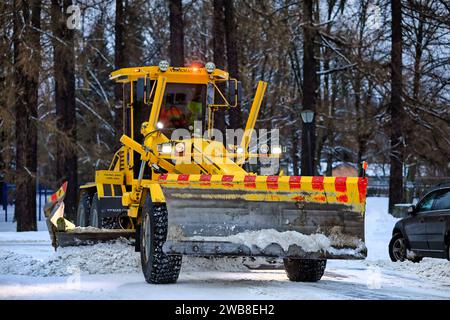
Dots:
pixel 140 89
pixel 239 94
pixel 234 92
pixel 402 210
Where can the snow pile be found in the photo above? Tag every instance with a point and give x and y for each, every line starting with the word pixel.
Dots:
pixel 263 238
pixel 30 237
pixel 431 269
pixel 101 258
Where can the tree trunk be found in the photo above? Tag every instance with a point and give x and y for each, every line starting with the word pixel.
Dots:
pixel 176 47
pixel 309 89
pixel 232 58
pixel 26 85
pixel 219 59
pixel 396 111
pixel 64 73
pixel 120 62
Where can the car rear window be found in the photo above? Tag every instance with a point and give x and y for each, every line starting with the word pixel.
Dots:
pixel 442 201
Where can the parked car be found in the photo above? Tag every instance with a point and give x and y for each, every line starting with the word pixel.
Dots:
pixel 425 232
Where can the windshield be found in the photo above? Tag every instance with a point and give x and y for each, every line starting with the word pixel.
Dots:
pixel 182 105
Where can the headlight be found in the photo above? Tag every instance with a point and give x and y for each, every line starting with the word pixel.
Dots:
pixel 160 125
pixel 165 148
pixel 179 147
pixel 240 150
pixel 264 148
pixel 163 65
pixel 210 67
pixel 276 150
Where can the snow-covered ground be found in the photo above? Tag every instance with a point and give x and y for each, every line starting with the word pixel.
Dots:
pixel 30 269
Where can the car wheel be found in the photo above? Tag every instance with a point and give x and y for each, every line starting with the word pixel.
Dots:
pixel 397 248
pixel 448 251
pixel 416 259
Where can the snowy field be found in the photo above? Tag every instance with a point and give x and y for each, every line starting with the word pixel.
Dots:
pixel 30 269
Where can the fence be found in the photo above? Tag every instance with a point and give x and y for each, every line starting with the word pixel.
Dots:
pixel 379 186
pixel 7 200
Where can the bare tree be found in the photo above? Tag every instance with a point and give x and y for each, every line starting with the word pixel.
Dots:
pixel 219 57
pixel 232 57
pixel 27 59
pixel 309 88
pixel 64 74
pixel 396 108
pixel 176 47
pixel 119 61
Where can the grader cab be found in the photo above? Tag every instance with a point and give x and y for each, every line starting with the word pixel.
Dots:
pixel 180 187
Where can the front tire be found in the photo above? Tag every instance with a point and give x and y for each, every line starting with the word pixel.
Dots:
pixel 158 268
pixel 304 270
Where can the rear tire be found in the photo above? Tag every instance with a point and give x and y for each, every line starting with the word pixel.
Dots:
pixel 84 208
pixel 397 248
pixel 304 270
pixel 158 268
pixel 416 259
pixel 93 216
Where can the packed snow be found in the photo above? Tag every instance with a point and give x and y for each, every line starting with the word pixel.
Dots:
pixel 31 269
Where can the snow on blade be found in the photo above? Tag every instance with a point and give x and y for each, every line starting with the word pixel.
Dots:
pixel 263 238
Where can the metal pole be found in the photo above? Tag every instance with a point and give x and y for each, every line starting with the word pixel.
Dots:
pixel 5 200
pixel 40 202
pixel 309 162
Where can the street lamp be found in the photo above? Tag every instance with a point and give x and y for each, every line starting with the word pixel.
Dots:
pixel 307 148
pixel 307 116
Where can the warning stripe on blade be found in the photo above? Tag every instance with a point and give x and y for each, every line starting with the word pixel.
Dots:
pixel 348 191
pixel 227 180
pixel 272 182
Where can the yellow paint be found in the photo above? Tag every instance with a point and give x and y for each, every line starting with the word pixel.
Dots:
pixel 253 115
pixel 108 177
pixel 207 157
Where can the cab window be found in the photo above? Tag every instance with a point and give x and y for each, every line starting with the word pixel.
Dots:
pixel 182 105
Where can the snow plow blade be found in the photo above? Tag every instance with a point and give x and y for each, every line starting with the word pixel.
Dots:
pixel 270 216
pixel 84 237
pixel 64 233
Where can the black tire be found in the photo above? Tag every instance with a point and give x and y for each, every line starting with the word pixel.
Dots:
pixel 416 259
pixel 84 208
pixel 447 245
pixel 304 270
pixel 94 214
pixel 397 248
pixel 158 268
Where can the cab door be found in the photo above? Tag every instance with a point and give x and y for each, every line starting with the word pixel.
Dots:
pixel 415 226
pixel 437 221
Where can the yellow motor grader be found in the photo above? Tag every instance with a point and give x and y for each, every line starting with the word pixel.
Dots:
pixel 178 189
